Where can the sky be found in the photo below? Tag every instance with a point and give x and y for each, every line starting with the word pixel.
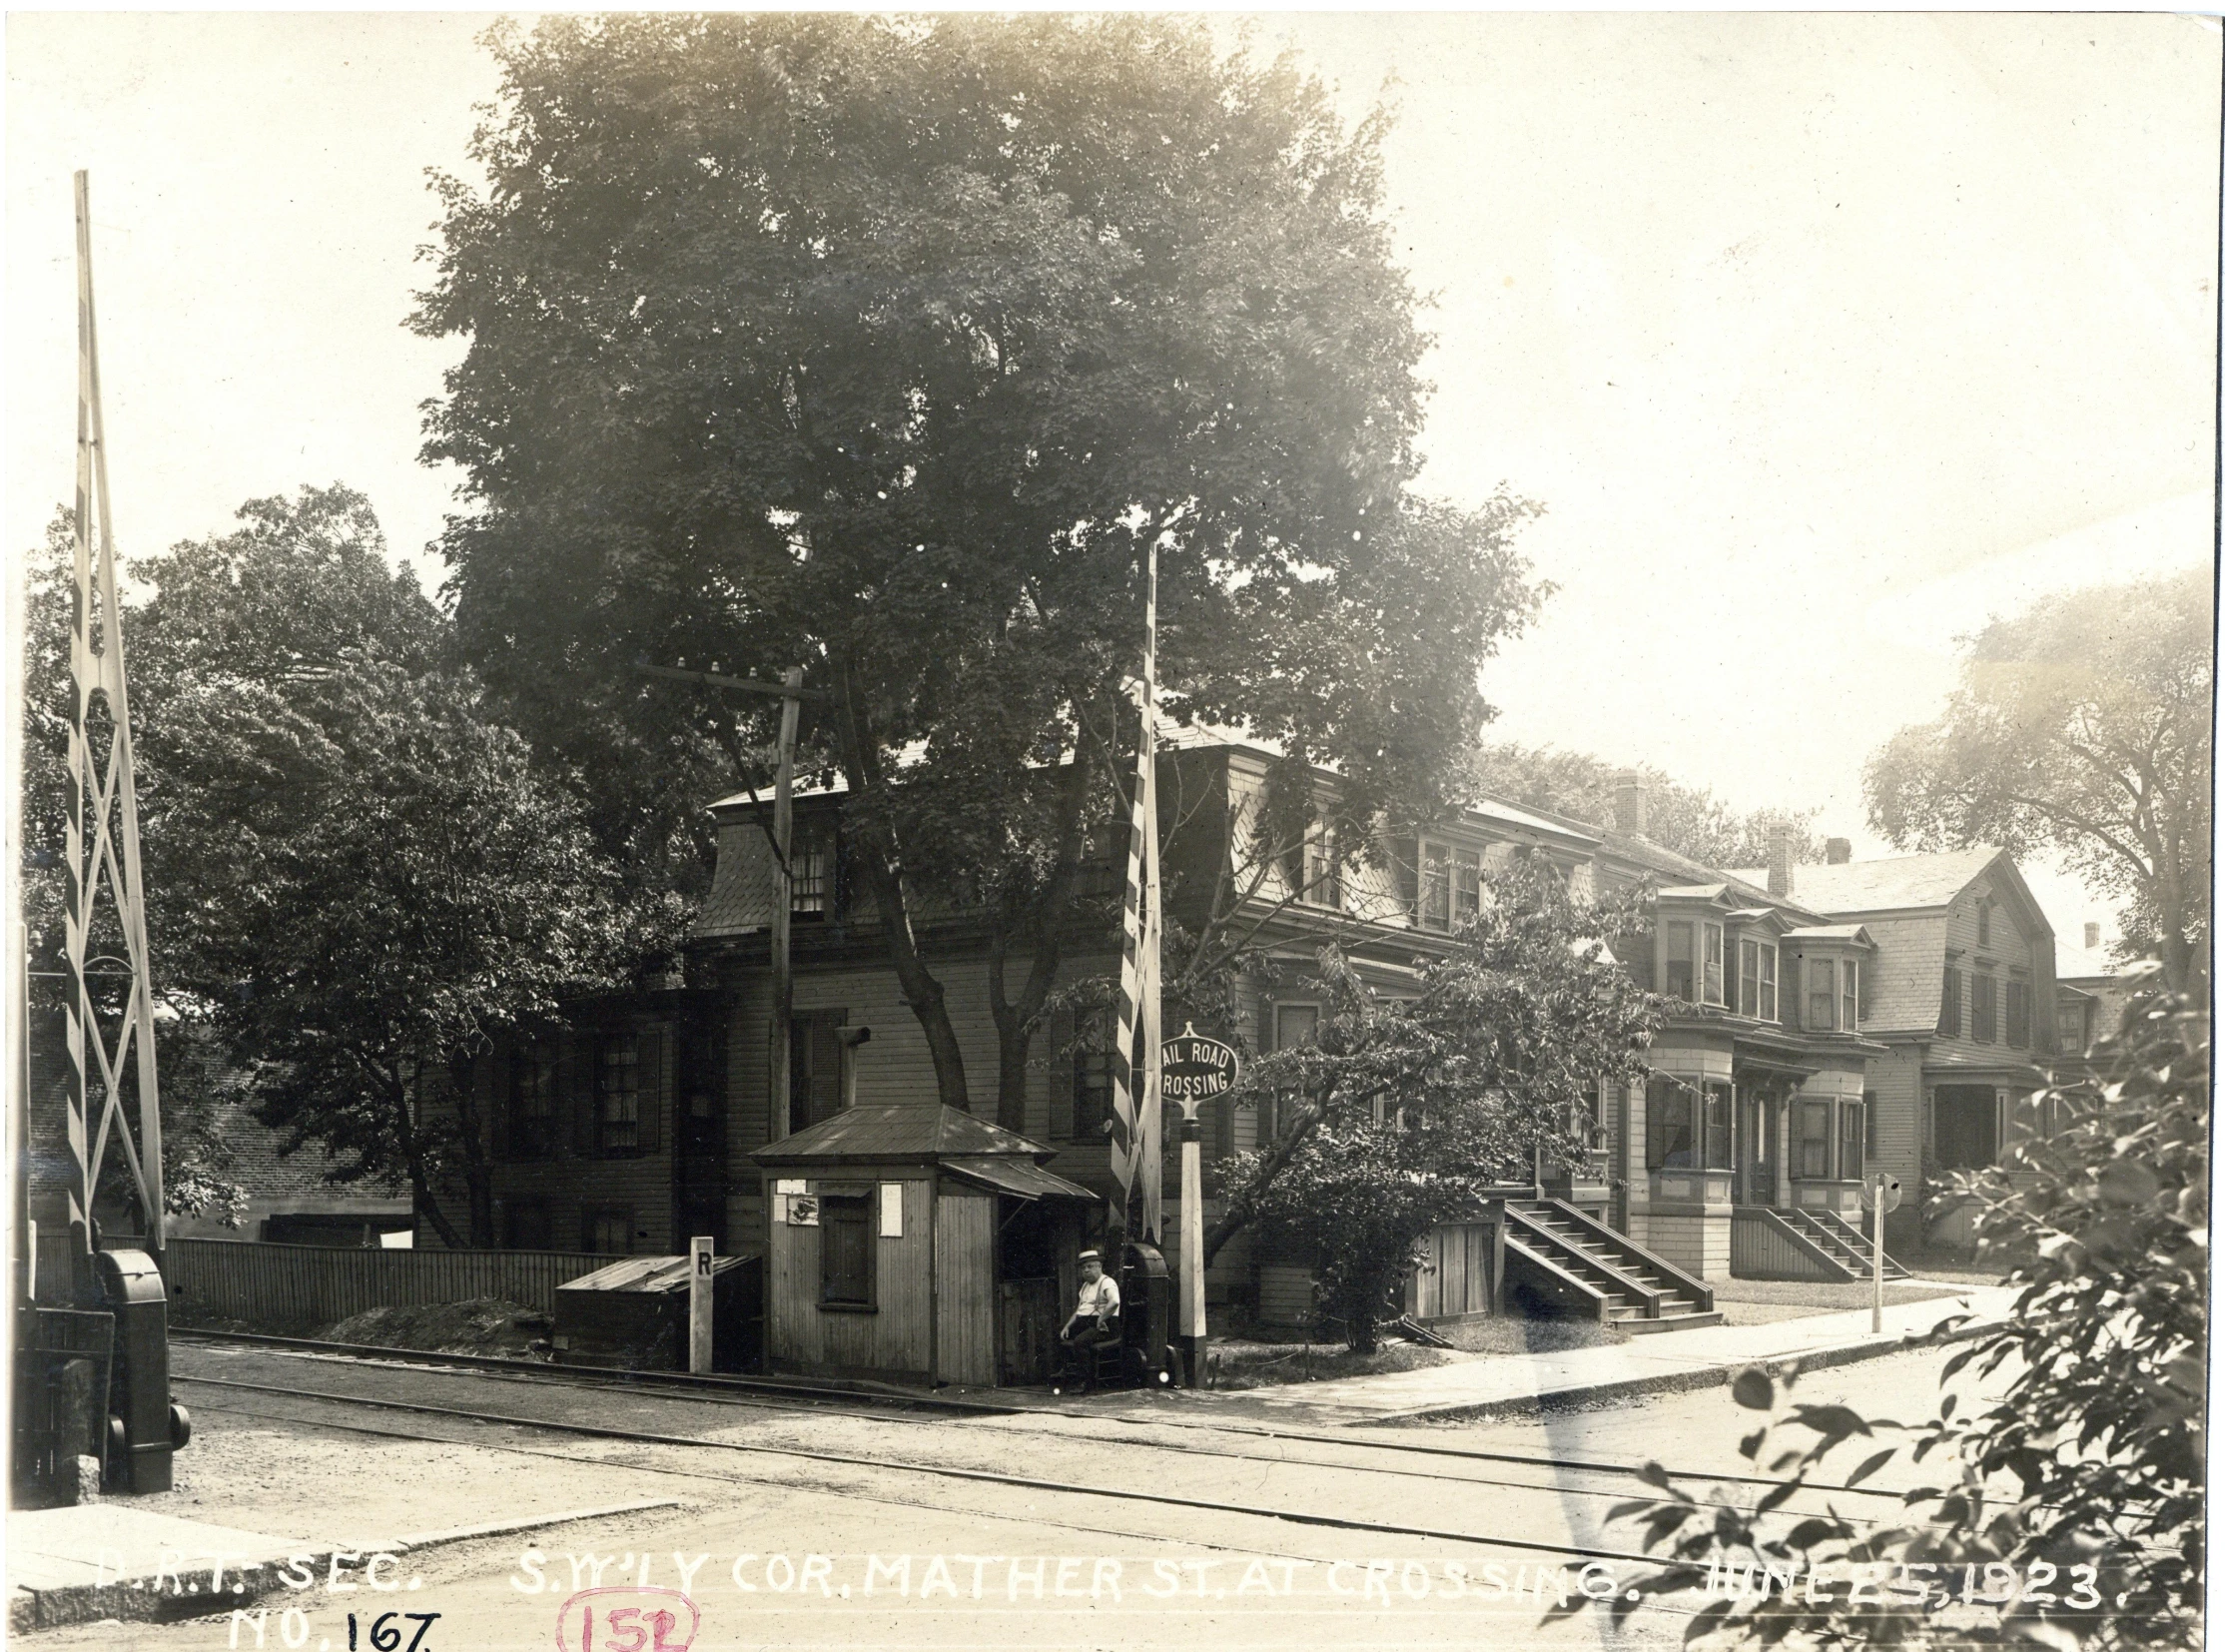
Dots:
pixel 1821 339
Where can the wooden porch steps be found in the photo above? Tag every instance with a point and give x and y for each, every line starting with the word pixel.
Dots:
pixel 1576 1259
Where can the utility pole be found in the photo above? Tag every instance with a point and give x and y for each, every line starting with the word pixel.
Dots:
pixel 792 693
pixel 784 899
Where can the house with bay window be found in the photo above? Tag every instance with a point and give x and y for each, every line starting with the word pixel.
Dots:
pixel 1820 1021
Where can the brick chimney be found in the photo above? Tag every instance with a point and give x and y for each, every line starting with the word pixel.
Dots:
pixel 2093 935
pixel 1781 862
pixel 1629 803
pixel 1838 851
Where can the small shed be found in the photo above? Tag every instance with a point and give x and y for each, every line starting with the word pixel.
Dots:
pixel 916 1243
pixel 633 1314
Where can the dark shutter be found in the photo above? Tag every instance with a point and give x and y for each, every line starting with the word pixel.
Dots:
pixel 654 1076
pixel 1061 1059
pixel 575 1076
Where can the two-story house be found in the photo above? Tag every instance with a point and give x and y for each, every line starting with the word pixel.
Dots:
pixel 1820 1021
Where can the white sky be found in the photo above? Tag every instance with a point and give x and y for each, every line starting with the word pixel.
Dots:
pixel 1822 338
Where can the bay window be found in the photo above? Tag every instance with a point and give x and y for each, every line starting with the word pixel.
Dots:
pixel 1849 993
pixel 1769 982
pixel 1823 994
pixel 1851 1140
pixel 1711 985
pixel 1680 983
pixel 1811 1151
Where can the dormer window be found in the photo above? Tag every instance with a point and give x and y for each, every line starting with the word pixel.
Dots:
pixel 1678 980
pixel 1758 979
pixel 811 858
pixel 1451 885
pixel 1823 994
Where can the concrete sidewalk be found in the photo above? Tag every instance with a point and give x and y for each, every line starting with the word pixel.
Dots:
pixel 114 1560
pixel 1512 1385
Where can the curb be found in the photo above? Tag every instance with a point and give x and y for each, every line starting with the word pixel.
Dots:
pixel 32 1609
pixel 1557 1400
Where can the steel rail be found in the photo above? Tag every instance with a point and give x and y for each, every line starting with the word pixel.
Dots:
pixel 735 1390
pixel 979 1476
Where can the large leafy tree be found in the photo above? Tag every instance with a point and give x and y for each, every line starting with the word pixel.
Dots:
pixel 1404 1111
pixel 891 347
pixel 2065 1508
pixel 2082 729
pixel 356 874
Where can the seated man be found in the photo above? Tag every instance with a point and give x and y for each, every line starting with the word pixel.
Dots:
pixel 1096 1318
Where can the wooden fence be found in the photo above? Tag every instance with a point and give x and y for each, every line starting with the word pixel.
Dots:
pixel 300 1286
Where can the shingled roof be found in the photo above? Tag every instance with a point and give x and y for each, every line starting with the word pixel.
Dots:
pixel 902 1131
pixel 1893 885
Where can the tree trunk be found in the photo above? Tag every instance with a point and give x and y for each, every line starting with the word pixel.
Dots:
pixel 1044 921
pixel 478 1166
pixel 876 865
pixel 1236 1214
pixel 420 1196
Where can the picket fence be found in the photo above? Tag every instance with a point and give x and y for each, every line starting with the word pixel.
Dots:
pixel 294 1287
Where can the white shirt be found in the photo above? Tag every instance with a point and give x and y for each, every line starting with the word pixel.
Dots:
pixel 1099 1299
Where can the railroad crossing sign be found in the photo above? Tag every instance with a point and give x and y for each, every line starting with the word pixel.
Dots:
pixel 1194 1068
pixel 1886 1188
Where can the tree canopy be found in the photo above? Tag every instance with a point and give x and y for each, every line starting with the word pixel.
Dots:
pixel 2081 729
pixel 891 347
pixel 2065 1506
pixel 355 874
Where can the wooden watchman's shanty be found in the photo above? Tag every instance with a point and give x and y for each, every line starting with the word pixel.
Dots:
pixel 905 1240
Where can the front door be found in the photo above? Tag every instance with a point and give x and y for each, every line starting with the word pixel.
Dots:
pixel 1964 1127
pixel 1756 1181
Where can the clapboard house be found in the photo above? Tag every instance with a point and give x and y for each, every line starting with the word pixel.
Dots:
pixel 1819 1022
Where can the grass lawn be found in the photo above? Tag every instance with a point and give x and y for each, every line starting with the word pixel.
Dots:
pixel 1244 1362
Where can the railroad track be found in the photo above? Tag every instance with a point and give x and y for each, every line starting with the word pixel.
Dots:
pixel 818 1399
pixel 949 1471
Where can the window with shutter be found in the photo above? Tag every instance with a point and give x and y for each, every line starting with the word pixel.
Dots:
pixel 1295 1027
pixel 617 1093
pixel 532 1102
pixel 1093 1058
pixel 1950 1003
pixel 815 1067
pixel 1981 1006
pixel 2017 1012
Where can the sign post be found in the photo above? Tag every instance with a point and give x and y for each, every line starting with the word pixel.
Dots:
pixel 1881 1194
pixel 1195 1069
pixel 700 1252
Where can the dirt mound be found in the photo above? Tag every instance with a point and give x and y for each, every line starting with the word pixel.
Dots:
pixel 485 1324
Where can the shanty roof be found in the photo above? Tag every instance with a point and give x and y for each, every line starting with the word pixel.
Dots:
pixel 1886 885
pixel 902 1131
pixel 1021 1179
